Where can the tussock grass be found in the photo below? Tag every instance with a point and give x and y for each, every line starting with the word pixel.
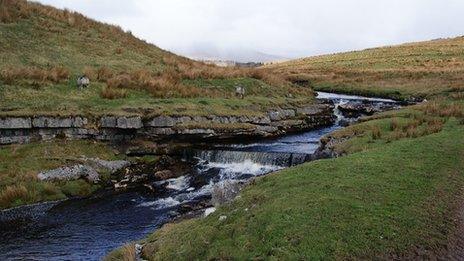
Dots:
pixel 12 194
pixel 124 253
pixel 167 85
pixel 113 93
pixel 375 131
pixel 55 74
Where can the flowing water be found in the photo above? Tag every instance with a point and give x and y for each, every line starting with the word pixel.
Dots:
pixel 88 229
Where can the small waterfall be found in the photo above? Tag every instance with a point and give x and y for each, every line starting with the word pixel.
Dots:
pixel 337 111
pixel 264 158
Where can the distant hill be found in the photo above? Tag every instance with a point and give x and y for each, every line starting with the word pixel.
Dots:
pixel 414 69
pixel 240 55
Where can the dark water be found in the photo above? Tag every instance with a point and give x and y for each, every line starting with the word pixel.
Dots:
pixel 88 229
pixel 82 230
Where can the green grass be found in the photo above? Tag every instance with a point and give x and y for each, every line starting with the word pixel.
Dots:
pixel 65 99
pixel 386 197
pixel 43 39
pixel 20 164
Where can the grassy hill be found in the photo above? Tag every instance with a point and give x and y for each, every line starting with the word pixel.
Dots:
pixel 44 49
pixel 42 36
pixel 420 69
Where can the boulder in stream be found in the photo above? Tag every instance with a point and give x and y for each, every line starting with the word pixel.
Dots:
pixel 352 109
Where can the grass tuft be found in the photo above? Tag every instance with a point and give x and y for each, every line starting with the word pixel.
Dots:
pixel 113 93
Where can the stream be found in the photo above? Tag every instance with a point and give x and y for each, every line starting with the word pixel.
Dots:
pixel 88 229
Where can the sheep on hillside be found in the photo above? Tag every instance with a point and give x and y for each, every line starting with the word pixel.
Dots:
pixel 240 91
pixel 83 82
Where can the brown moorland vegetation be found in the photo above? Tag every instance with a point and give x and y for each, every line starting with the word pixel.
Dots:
pixel 55 74
pixel 420 69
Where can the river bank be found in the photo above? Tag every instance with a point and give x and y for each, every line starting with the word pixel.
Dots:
pixel 127 136
pixel 395 194
pixel 176 196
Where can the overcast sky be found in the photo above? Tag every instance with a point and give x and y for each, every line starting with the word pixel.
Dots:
pixel 286 28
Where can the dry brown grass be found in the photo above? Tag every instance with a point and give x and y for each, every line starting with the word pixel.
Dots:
pixel 375 132
pixel 90 72
pixel 165 85
pixel 417 69
pixel 55 74
pixel 128 252
pixel 434 126
pixel 104 74
pixel 12 193
pixel 125 253
pixel 189 69
pixel 119 50
pixel 11 10
pixel 443 109
pixel 394 125
pixel 414 127
pixel 113 93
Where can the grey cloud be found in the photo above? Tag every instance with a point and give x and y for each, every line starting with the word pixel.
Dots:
pixel 290 28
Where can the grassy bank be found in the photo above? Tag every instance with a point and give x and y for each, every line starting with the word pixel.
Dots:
pixel 20 164
pixel 422 69
pixel 65 99
pixel 395 192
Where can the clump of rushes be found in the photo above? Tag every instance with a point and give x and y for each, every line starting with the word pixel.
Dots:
pixel 438 108
pixel 12 10
pixel 125 253
pixel 113 93
pixel 434 125
pixel 55 74
pixel 12 193
pixel 394 124
pixel 165 85
pixel 375 132
pixel 104 73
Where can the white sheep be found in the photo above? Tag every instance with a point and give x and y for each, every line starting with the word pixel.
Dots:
pixel 83 82
pixel 240 91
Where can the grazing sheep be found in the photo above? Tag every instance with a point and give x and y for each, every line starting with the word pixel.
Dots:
pixel 240 91
pixel 83 82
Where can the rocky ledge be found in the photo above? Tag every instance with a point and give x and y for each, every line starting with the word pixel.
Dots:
pixel 118 128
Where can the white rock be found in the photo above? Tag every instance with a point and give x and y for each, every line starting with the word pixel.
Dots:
pixel 209 211
pixel 15 123
pixel 70 173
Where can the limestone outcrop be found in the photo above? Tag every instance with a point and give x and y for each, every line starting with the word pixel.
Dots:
pixel 117 128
